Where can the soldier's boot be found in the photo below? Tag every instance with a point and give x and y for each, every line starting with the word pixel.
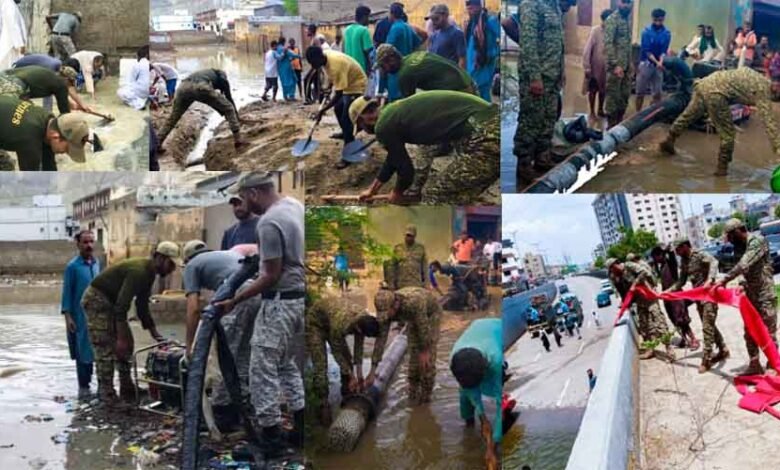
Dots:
pixel 227 417
pixel 706 364
pixel 667 146
pixel 753 368
pixel 722 170
pixel 647 354
pixel 127 390
pixel 525 175
pixel 106 393
pixel 670 356
pixel 272 442
pixel 723 354
pixel 296 436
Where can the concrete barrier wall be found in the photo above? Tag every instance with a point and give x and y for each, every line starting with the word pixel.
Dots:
pixel 37 257
pixel 513 311
pixel 608 435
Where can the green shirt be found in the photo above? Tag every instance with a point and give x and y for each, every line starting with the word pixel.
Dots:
pixel 128 279
pixel 42 82
pixel 425 118
pixel 357 42
pixel 428 71
pixel 23 130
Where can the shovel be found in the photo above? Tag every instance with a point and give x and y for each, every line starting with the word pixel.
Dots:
pixel 107 117
pixel 307 146
pixel 356 151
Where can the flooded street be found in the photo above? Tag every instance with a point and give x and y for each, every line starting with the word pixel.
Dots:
pixel 431 436
pixel 640 166
pixel 33 344
pixel 542 438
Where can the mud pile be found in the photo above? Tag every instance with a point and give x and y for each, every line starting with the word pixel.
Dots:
pixel 184 136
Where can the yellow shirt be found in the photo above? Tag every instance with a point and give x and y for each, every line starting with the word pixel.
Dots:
pixel 345 73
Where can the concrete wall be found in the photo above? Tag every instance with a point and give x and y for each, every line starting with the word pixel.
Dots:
pixel 37 257
pixel 216 220
pixel 434 227
pixel 608 438
pixel 110 26
pixel 576 35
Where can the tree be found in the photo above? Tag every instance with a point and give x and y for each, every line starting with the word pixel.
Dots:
pixel 739 215
pixel 291 6
pixel 637 242
pixel 599 262
pixel 716 230
pixel 777 211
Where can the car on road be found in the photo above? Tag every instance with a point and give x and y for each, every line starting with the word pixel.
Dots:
pixel 603 299
pixel 606 286
pixel 563 289
pixel 724 253
pixel 774 251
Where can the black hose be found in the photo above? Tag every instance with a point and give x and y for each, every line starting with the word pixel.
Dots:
pixel 196 371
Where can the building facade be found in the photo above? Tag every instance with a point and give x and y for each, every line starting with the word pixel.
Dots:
pixel 657 213
pixel 534 265
pixel 612 212
pixel 44 218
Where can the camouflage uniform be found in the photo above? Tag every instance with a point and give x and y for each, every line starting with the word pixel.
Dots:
pixel 652 322
pixel 476 167
pixel 617 48
pixel 329 320
pixel 10 85
pixel 272 368
pixel 702 267
pixel 101 323
pixel 410 265
pixel 189 92
pixel 62 46
pixel 713 97
pixel 755 265
pixel 238 326
pixel 422 314
pixel 541 58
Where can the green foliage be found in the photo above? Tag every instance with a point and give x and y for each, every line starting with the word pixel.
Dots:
pixel 716 230
pixel 777 211
pixel 666 339
pixel 599 262
pixel 637 242
pixel 291 6
pixel 739 215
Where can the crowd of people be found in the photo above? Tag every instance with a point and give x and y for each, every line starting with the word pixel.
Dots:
pixel 745 73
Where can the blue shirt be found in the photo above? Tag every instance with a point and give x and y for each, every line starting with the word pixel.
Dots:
pixel 242 232
pixel 403 37
pixel 78 275
pixel 41 60
pixel 380 31
pixel 484 335
pixel 482 74
pixel 655 41
pixel 341 262
pixel 449 43
pixel 532 314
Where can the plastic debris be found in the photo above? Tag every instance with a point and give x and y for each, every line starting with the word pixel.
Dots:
pixel 146 457
pixel 61 438
pixel 38 418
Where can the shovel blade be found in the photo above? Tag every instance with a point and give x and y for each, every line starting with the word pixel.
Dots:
pixel 302 147
pixel 355 152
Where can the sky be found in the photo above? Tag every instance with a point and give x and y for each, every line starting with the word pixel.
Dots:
pixel 560 225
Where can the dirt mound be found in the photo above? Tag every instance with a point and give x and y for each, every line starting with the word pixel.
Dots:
pixel 184 136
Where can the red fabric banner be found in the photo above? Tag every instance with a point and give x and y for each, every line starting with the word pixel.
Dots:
pixel 759 392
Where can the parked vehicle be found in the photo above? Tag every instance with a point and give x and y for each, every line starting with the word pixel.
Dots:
pixel 724 253
pixel 606 286
pixel 563 289
pixel 603 299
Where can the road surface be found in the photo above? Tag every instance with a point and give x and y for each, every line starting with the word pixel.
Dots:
pixel 558 378
pixel 692 421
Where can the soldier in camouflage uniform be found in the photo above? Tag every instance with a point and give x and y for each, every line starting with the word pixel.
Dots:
pixel 713 97
pixel 330 320
pixel 210 87
pixel 540 78
pixel 755 266
pixel 702 268
pixel 652 322
pixel 106 303
pixel 418 308
pixel 409 261
pixel 617 48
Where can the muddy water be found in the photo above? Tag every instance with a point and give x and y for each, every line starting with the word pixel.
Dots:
pixel 244 70
pixel 32 338
pixel 639 165
pixel 428 436
pixel 542 439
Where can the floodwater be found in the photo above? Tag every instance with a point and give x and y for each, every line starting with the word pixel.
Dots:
pixel 542 438
pixel 244 70
pixel 32 338
pixel 428 436
pixel 639 165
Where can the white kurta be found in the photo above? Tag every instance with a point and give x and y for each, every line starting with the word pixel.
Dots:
pixel 13 33
pixel 134 90
pixel 87 62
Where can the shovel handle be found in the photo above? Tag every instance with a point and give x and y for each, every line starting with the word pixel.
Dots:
pixel 351 197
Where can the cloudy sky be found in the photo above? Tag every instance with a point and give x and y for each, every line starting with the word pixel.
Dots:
pixel 565 225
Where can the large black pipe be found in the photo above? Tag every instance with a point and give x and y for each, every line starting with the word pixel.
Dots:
pixel 196 370
pixel 564 175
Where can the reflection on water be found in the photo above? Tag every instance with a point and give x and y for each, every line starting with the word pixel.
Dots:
pixel 244 70
pixel 542 438
pixel 32 339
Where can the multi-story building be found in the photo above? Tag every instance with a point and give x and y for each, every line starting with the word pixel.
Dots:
pixel 534 265
pixel 612 212
pixel 45 218
pixel 697 231
pixel 599 251
pixel 657 213
pixel 738 204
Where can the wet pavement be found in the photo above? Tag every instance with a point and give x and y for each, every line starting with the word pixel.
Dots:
pixel 551 389
pixel 35 368
pixel 639 165
pixel 428 436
